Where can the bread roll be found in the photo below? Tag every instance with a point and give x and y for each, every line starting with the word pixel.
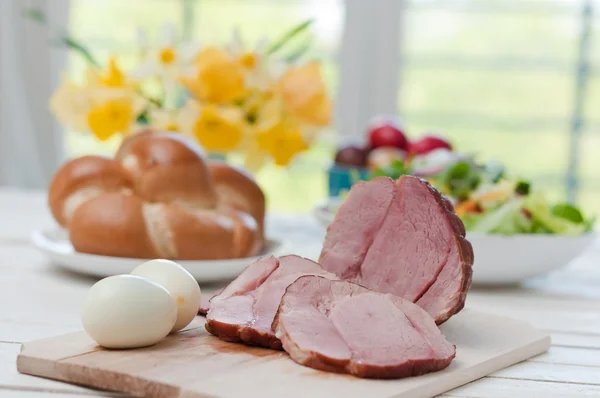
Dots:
pixel 158 198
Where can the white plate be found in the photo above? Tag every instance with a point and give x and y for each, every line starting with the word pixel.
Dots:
pixel 56 245
pixel 501 260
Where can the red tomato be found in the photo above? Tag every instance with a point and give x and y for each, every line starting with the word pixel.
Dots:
pixel 387 132
pixel 428 144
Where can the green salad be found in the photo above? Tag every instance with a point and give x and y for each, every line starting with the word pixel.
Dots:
pixel 490 201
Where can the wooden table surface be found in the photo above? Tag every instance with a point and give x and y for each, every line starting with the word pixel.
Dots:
pixel 38 300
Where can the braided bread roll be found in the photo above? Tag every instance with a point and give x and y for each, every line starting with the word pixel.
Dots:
pixel 158 198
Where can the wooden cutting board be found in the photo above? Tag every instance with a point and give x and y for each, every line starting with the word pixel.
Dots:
pixel 193 363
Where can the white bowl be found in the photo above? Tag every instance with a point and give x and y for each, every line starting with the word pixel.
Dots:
pixel 499 259
pixel 56 245
pixel 503 259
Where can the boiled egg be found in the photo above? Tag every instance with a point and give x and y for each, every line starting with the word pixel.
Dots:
pixel 128 311
pixel 179 282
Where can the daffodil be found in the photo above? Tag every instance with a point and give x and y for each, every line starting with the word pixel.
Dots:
pixel 240 100
pixel 103 111
pixel 259 73
pixel 111 117
pixel 217 128
pixel 112 111
pixel 218 77
pixel 282 141
pixel 113 76
pixel 70 104
pixel 167 60
pixel 304 94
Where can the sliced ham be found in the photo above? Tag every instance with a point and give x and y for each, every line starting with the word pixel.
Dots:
pixel 205 302
pixel 407 242
pixel 244 311
pixel 400 237
pixel 339 326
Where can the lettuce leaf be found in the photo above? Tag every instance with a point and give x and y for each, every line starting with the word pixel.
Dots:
pixel 568 212
pixel 507 219
pixel 542 213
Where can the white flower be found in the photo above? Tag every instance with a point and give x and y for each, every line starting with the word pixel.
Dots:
pixel 259 71
pixel 163 119
pixel 168 60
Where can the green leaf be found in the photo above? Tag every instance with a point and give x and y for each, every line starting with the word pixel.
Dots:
pixel 299 52
pixel 523 188
pixel 143 118
pixel 501 220
pixel 78 47
pixel 460 179
pixel 38 15
pixel 543 213
pixel 539 228
pixel 278 44
pixel 568 212
pixel 35 14
pixel 395 170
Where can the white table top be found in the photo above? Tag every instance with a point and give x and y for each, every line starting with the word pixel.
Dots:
pixel 38 300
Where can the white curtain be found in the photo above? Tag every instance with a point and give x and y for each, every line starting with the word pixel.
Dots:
pixel 30 67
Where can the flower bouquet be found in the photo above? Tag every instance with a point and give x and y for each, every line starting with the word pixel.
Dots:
pixel 256 104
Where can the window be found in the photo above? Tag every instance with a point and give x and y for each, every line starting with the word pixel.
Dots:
pixel 514 80
pixel 508 80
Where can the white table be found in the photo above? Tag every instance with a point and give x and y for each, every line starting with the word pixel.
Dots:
pixel 38 300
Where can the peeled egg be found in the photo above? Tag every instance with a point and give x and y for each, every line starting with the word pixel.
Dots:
pixel 127 311
pixel 179 282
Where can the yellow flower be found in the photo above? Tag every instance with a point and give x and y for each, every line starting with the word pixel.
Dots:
pixel 217 128
pixel 260 106
pixel 112 117
pixel 105 106
pixel 282 141
pixel 275 133
pixel 112 111
pixel 219 78
pixel 304 94
pixel 70 103
pixel 113 76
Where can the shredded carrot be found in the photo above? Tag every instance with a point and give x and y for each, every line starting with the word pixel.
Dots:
pixel 472 205
pixel 491 196
pixel 468 206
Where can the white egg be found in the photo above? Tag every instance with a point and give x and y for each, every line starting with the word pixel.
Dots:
pixel 127 311
pixel 179 282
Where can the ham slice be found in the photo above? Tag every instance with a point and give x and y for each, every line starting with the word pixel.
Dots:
pixel 355 226
pixel 243 312
pixel 339 326
pixel 205 302
pixel 407 242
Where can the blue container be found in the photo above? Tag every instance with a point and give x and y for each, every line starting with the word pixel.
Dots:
pixel 342 178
